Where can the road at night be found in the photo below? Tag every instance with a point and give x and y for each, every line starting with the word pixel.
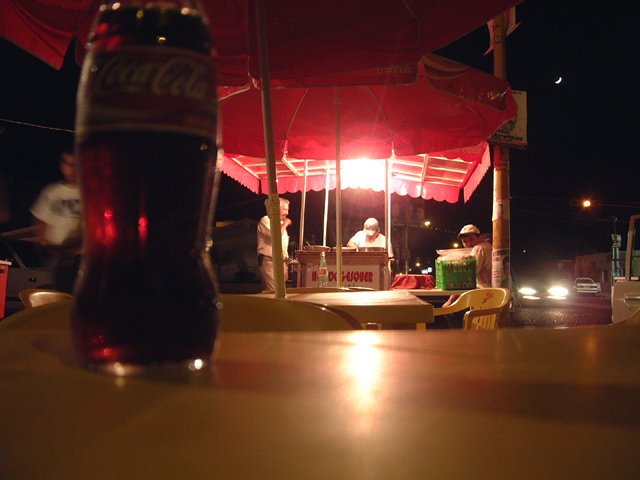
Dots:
pixel 575 312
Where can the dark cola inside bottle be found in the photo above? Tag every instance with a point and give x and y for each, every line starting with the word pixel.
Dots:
pixel 145 138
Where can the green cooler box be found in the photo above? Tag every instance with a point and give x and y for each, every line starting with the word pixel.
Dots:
pixel 456 274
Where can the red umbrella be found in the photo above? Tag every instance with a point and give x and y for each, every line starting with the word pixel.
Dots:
pixel 431 130
pixel 305 38
pixel 449 106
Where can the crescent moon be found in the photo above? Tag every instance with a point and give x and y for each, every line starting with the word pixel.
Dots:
pixel 558 80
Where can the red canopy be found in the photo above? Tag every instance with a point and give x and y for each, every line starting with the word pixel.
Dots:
pixel 439 176
pixel 432 131
pixel 305 39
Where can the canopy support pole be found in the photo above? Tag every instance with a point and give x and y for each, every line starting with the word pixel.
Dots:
pixel 273 202
pixel 326 206
pixel 303 206
pixel 387 214
pixel 338 102
pixel 215 192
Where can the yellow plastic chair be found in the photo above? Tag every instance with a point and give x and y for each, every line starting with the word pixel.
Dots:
pixel 51 316
pixel 247 313
pixel 485 306
pixel 35 297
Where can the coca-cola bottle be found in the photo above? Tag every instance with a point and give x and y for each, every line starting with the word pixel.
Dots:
pixel 145 140
pixel 323 271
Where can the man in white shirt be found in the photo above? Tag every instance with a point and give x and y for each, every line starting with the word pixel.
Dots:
pixel 369 236
pixel 57 216
pixel 482 252
pixel 265 260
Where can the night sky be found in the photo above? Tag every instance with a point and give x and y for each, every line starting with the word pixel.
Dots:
pixel 583 134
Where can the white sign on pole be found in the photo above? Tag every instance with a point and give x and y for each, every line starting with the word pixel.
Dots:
pixel 514 134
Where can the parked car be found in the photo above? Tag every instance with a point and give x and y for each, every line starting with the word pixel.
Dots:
pixel 586 286
pixel 28 269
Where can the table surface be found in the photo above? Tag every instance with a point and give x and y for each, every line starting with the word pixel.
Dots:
pixel 377 306
pixel 503 404
pixel 434 292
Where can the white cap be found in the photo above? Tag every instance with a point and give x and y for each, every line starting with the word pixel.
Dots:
pixel 371 226
pixel 468 230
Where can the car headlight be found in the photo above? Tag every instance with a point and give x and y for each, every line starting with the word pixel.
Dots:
pixel 527 291
pixel 558 291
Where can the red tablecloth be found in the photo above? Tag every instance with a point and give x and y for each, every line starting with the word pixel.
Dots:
pixel 424 282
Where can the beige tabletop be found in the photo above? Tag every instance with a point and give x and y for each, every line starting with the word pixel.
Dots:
pixel 505 404
pixel 378 306
pixel 434 292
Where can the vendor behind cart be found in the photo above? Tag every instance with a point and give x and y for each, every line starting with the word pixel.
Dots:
pixel 369 236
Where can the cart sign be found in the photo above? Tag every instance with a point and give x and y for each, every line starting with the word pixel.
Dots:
pixel 353 276
pixel 514 133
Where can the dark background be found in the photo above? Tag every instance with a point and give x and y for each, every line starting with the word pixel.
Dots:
pixel 583 137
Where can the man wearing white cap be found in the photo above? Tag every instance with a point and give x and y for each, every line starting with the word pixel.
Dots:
pixel 369 236
pixel 481 251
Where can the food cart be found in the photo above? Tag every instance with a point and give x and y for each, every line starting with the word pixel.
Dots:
pixel 368 268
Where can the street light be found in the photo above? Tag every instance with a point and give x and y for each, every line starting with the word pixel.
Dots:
pixel 615 238
pixel 589 203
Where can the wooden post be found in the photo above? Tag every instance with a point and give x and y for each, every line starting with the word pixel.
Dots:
pixel 501 194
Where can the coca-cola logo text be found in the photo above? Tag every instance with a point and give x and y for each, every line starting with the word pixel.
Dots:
pixel 396 69
pixel 176 76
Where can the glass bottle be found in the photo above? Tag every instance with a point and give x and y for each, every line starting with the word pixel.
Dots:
pixel 323 272
pixel 146 144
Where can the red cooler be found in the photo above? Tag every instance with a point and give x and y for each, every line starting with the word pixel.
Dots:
pixel 4 274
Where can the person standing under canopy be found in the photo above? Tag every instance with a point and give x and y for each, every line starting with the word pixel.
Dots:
pixel 265 256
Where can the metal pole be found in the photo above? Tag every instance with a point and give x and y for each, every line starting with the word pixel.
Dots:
pixel 501 195
pixel 273 202
pixel 615 252
pixel 387 206
pixel 303 205
pixel 216 180
pixel 326 207
pixel 338 102
pixel 215 192
pixel 387 219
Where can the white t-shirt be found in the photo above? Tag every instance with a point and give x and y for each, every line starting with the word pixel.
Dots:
pixel 264 239
pixel 482 253
pixel 60 208
pixel 361 240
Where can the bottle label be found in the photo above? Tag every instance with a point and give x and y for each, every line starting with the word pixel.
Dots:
pixel 148 88
pixel 322 271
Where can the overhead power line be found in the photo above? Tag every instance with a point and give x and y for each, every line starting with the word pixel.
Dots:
pixel 36 126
